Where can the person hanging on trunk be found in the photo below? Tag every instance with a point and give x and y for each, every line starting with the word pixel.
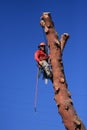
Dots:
pixel 42 59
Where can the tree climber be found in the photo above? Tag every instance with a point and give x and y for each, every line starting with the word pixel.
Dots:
pixel 42 59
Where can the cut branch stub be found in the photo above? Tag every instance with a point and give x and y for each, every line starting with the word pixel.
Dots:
pixel 63 40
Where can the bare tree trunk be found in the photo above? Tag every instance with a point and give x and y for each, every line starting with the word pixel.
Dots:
pixel 62 95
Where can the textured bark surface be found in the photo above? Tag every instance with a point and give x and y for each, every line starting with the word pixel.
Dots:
pixel 62 95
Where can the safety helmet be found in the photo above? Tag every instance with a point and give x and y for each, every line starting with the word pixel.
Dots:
pixel 42 44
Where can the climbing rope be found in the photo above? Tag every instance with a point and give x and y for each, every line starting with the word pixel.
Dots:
pixel 44 37
pixel 36 92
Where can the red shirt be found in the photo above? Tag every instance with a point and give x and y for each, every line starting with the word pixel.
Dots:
pixel 40 55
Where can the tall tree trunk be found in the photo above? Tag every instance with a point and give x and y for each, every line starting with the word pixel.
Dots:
pixel 62 95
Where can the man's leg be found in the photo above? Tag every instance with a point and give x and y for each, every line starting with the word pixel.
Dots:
pixel 46 68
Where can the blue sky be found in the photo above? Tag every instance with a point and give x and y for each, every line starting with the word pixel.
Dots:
pixel 20 34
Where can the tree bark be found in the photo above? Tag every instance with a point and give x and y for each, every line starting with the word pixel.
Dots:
pixel 62 95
